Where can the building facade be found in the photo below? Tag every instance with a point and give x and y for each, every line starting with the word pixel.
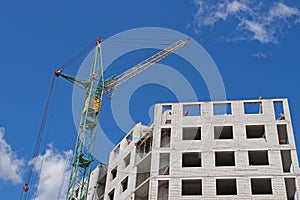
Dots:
pixel 207 150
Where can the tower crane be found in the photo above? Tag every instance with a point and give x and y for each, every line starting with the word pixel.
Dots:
pixel 95 87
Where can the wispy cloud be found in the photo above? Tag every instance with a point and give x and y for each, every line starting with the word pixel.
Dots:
pixel 260 55
pixel 10 164
pixel 53 172
pixel 263 21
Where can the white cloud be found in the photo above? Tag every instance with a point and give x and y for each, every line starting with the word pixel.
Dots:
pixel 280 10
pixel 217 11
pixel 10 165
pixel 260 55
pixel 261 21
pixel 236 6
pixel 259 32
pixel 54 174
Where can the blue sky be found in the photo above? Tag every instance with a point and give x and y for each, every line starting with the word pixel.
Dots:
pixel 255 45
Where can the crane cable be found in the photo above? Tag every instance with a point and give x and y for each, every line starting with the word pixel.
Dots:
pixel 39 138
pixel 67 165
pixel 45 119
pixel 46 133
pixel 79 55
pixel 119 40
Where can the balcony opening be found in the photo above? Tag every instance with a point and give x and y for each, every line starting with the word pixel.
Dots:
pixel 258 158
pixel 253 108
pixel 143 170
pixel 166 114
pixel 163 190
pixel 290 187
pixel 143 146
pixel 124 184
pixel 278 110
pixel 142 192
pixel 223 132
pixel 261 186
pixel 114 173
pixel 191 187
pixel 282 134
pixel 164 164
pixel 165 137
pixel 191 133
pixel 111 195
pixel 192 110
pixel 224 158
pixel 126 160
pixel 255 131
pixel 191 159
pixel 129 138
pixel 286 160
pixel 226 187
pixel 222 109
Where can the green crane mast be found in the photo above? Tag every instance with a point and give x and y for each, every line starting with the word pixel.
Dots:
pixel 95 87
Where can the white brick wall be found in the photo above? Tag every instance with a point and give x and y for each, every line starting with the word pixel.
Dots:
pixel 208 173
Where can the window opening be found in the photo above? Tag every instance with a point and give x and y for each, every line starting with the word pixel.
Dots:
pixel 114 173
pixel 258 157
pixel 223 132
pixel 129 138
pixel 117 150
pixel 127 160
pixel 124 184
pixel 191 159
pixel 282 134
pixel 224 158
pixel 165 136
pixel 222 109
pixel 166 114
pixel 111 194
pixel 290 187
pixel 164 164
pixel 286 160
pixel 253 108
pixel 255 131
pixel 191 187
pixel 191 133
pixel 163 190
pixel 261 186
pixel 226 187
pixel 166 108
pixel 192 110
pixel 278 110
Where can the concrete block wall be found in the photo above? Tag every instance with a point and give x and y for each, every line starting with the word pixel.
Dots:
pixel 116 160
pixel 171 115
pixel 208 172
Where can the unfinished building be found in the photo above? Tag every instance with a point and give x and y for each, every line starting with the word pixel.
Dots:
pixel 207 150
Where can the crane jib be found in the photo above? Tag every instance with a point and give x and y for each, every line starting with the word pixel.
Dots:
pixel 83 154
